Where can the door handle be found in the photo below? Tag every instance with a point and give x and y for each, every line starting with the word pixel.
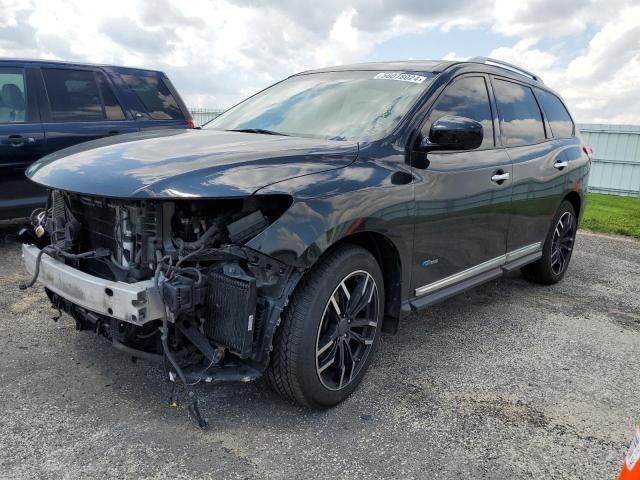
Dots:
pixel 500 177
pixel 17 141
pixel 560 165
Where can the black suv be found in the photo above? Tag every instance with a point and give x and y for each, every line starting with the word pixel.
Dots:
pixel 46 106
pixel 290 231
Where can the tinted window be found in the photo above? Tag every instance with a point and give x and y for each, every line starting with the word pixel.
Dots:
pixel 111 106
pixel 556 113
pixel 520 117
pixel 335 105
pixel 73 95
pixel 155 96
pixel 466 97
pixel 12 95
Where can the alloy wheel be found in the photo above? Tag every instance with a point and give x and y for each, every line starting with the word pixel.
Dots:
pixel 562 244
pixel 347 330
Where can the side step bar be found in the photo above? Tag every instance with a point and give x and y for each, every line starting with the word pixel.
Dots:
pixel 452 290
pixel 447 292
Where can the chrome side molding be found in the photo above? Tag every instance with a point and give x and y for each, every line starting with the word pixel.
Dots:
pixel 478 269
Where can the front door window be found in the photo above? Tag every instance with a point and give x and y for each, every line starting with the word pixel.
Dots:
pixel 13 103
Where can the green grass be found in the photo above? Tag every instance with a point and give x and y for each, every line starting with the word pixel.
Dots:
pixel 612 214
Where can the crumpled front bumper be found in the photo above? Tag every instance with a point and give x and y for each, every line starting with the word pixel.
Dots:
pixel 136 303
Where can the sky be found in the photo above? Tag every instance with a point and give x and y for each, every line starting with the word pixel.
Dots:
pixel 217 52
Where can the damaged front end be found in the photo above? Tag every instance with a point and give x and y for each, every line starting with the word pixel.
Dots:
pixel 166 280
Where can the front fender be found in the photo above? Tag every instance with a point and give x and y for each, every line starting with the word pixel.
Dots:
pixel 330 206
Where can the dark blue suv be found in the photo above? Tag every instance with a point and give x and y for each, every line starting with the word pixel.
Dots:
pixel 46 106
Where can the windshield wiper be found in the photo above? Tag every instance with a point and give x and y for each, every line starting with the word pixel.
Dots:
pixel 256 130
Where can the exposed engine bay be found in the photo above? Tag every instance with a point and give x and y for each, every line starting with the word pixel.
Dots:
pixel 166 280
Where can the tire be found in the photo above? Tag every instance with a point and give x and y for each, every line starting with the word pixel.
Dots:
pixel 558 247
pixel 312 332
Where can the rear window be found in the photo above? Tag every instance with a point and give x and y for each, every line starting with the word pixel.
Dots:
pixel 520 117
pixel 556 113
pixel 155 96
pixel 12 95
pixel 73 95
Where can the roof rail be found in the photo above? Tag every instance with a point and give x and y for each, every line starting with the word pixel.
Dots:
pixel 507 66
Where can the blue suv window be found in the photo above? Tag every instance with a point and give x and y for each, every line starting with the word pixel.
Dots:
pixel 520 117
pixel 73 95
pixel 111 105
pixel 557 114
pixel 155 96
pixel 12 95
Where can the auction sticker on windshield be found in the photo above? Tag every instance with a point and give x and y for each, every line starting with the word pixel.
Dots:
pixel 403 77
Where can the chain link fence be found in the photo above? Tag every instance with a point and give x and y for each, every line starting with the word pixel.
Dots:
pixel 203 115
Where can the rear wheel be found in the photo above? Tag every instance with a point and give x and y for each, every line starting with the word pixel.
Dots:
pixel 557 248
pixel 329 330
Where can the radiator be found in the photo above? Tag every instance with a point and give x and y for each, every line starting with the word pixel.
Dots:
pixel 231 313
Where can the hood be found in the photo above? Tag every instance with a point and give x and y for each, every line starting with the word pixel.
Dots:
pixel 187 163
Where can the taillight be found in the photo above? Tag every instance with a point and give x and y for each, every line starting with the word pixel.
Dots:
pixel 588 152
pixel 191 123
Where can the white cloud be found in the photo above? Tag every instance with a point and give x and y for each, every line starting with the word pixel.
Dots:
pixel 218 51
pixel 553 18
pixel 601 84
pixel 213 50
pixel 525 54
pixel 454 56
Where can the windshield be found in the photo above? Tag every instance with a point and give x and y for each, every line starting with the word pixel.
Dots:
pixel 352 105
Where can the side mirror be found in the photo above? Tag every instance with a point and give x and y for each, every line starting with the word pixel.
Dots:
pixel 453 133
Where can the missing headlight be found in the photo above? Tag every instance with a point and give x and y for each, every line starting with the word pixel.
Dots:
pixel 247 227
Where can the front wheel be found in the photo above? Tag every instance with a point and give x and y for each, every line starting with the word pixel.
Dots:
pixel 557 248
pixel 329 329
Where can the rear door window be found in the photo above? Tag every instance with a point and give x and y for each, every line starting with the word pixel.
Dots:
pixel 519 113
pixel 12 95
pixel 73 95
pixel 556 113
pixel 466 97
pixel 112 107
pixel 155 96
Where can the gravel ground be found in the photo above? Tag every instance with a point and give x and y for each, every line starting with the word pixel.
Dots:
pixel 509 380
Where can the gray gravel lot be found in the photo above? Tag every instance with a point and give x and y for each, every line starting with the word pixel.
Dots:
pixel 510 380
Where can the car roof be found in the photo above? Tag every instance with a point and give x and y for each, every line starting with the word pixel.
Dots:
pixel 432 66
pixel 483 64
pixel 75 64
pixel 489 65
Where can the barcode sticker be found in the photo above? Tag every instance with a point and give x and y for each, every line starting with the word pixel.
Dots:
pixel 402 77
pixel 634 450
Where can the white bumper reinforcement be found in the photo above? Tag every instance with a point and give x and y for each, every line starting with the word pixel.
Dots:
pixel 136 303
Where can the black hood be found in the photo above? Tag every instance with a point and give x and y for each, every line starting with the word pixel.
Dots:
pixel 187 163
